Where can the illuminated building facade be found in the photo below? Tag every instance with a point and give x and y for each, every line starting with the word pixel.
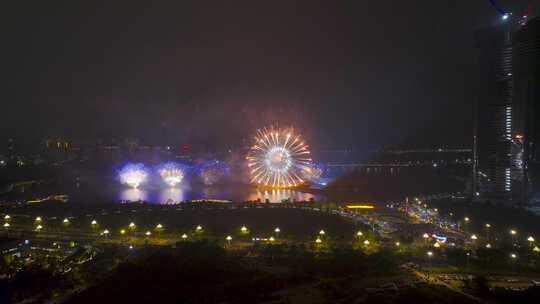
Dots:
pixel 526 132
pixel 506 156
pixel 493 138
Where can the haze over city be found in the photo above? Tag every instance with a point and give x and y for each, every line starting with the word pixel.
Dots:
pixel 354 75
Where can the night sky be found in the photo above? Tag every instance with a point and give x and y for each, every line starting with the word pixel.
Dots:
pixel 348 74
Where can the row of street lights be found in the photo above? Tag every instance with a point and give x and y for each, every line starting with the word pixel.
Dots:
pixel 159 227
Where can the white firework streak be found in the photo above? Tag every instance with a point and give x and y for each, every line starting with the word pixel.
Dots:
pixel 278 158
pixel 172 176
pixel 133 175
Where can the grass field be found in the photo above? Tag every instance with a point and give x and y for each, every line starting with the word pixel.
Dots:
pixel 294 223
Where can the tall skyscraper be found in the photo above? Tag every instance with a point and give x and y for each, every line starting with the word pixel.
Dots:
pixel 494 115
pixel 526 99
pixel 506 156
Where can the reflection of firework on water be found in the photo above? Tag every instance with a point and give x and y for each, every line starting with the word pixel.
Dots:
pixel 133 175
pixel 171 173
pixel 133 195
pixel 171 196
pixel 278 158
pixel 313 172
pixel 213 172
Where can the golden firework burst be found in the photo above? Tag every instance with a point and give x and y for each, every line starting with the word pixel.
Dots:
pixel 279 158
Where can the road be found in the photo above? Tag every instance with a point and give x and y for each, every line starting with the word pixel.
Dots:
pixel 434 280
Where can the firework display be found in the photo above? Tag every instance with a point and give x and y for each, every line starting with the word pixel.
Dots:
pixel 133 175
pixel 213 172
pixel 171 173
pixel 313 172
pixel 279 158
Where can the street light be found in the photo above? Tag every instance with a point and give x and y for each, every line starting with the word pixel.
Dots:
pixel 322 232
pixel 66 221
pixel 425 235
pixel 530 239
pixel 244 229
pixel 6 225
pixel 38 219
pixel 366 242
pixel 159 227
pixel 229 239
pixel 466 220
pixel 536 249
pixel 488 245
pixel 105 232
pixel 318 240
pixel 513 233
pixel 7 217
pixel 184 236
pixel 359 234
pixel 39 227
pixel 122 231
pixel 513 256
pixel 94 222
pixel 198 228
pixel 437 245
pixel 132 225
pixel 148 233
pixel 398 244
pixel 429 255
pixel 474 237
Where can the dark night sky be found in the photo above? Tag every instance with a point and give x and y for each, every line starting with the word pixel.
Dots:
pixel 356 74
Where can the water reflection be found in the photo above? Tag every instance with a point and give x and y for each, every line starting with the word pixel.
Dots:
pixel 279 195
pixel 236 194
pixel 171 196
pixel 133 195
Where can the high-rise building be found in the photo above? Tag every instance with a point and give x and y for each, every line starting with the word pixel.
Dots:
pixel 526 112
pixel 506 133
pixel 494 115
